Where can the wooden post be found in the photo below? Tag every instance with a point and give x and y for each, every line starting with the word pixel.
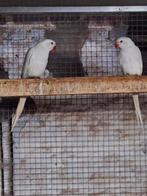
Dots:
pixel 7 159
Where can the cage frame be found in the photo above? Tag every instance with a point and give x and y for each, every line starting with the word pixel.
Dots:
pixel 100 84
pixel 72 9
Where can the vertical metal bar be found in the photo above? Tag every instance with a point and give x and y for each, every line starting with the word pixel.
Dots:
pixel 7 159
pixel 1 184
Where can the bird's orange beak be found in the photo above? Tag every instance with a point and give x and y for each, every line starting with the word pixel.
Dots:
pixel 53 51
pixel 117 45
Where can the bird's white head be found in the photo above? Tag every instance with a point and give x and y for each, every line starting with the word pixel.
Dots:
pixel 123 42
pixel 50 45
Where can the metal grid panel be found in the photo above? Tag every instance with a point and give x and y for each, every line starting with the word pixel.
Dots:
pixel 85 145
pixel 85 42
pixel 75 145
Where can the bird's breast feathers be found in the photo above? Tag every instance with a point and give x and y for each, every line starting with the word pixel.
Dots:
pixel 131 61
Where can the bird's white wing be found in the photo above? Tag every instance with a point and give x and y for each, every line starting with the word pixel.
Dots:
pixel 137 59
pixel 140 61
pixel 26 63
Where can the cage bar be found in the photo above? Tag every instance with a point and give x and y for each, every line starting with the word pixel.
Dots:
pixel 1 166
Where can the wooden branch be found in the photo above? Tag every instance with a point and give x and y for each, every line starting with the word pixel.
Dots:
pixel 79 85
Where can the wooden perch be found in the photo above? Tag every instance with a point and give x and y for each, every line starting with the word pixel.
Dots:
pixel 79 85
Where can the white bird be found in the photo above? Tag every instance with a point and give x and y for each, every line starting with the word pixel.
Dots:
pixel 130 59
pixel 35 63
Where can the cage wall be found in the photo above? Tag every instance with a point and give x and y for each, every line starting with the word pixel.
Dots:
pixel 81 144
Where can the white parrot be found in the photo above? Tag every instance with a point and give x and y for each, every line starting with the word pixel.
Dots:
pixel 35 63
pixel 130 59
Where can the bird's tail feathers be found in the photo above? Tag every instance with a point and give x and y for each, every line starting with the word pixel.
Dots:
pixel 18 112
pixel 137 109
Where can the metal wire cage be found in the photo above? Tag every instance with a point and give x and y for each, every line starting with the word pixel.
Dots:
pixel 73 144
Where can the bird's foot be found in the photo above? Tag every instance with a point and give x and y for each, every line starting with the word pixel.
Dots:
pixel 46 74
pixel 34 77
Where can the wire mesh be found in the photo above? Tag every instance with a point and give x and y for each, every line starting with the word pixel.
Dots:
pixel 85 43
pixel 75 145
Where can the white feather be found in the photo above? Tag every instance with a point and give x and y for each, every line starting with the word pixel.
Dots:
pixel 137 109
pixel 18 112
